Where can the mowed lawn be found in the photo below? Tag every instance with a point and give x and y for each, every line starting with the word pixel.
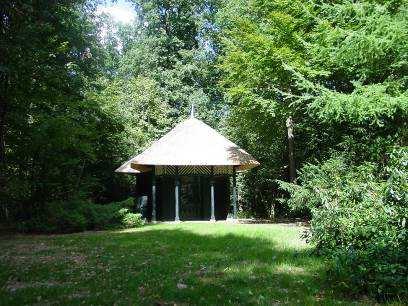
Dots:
pixel 188 263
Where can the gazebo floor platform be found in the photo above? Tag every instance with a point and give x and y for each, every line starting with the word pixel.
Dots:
pixel 288 222
pixel 197 221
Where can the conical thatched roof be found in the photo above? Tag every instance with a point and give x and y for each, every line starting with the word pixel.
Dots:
pixel 190 143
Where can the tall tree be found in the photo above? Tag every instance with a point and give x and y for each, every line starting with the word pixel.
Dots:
pixel 166 64
pixel 261 38
pixel 49 132
pixel 176 49
pixel 343 83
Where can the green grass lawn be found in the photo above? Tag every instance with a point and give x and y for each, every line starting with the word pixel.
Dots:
pixel 165 264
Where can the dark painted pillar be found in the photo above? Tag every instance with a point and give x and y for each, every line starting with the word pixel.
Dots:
pixel 212 195
pixel 153 195
pixel 234 191
pixel 177 197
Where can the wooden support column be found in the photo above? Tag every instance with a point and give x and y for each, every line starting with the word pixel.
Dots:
pixel 234 191
pixel 212 195
pixel 154 194
pixel 177 197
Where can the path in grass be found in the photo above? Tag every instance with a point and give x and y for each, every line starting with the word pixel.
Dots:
pixel 164 264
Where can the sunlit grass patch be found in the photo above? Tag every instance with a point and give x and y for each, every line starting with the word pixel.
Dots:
pixel 187 263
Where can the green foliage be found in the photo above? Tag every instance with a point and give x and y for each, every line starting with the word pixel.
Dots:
pixel 76 102
pixel 366 105
pixel 337 68
pixel 397 183
pixel 79 215
pixel 58 144
pixel 166 66
pixel 359 220
pixel 259 38
pixel 361 40
pixel 137 105
pixel 131 220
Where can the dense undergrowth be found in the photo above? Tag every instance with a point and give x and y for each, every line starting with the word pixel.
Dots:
pixel 359 216
pixel 76 216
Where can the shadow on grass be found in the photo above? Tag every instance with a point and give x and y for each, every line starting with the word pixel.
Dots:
pixel 183 266
pixel 200 264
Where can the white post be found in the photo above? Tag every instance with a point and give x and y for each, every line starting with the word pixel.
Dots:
pixel 192 111
pixel 212 195
pixel 176 195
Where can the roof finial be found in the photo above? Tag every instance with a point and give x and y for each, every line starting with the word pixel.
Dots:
pixel 192 111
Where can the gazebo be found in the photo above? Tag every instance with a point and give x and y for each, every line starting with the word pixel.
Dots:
pixel 185 174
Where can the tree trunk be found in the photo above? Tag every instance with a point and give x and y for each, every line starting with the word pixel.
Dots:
pixel 292 168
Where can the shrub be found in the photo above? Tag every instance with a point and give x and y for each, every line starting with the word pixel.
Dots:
pixel 72 221
pixel 80 215
pixel 56 217
pixel 129 219
pixel 133 220
pixel 104 216
pixel 359 221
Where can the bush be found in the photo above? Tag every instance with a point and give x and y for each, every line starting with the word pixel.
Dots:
pixel 359 221
pixel 72 221
pixel 133 220
pixel 80 215
pixel 56 217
